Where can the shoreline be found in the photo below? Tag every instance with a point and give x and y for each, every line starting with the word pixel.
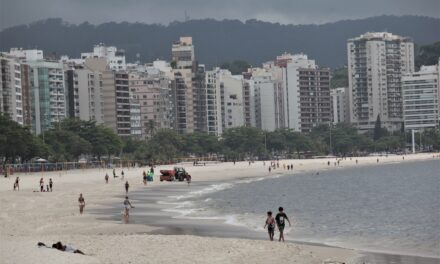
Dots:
pixel 28 217
pixel 221 227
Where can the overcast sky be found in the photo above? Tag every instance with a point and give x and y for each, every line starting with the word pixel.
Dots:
pixel 15 12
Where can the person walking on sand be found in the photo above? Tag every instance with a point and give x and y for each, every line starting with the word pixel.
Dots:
pixel 17 184
pixel 122 175
pixel 270 223
pixel 114 174
pixel 50 184
pixel 106 178
pixel 126 187
pixel 127 206
pixel 144 177
pixel 82 203
pixel 41 185
pixel 280 218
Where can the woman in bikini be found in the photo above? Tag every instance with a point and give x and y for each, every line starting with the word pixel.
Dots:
pixel 82 203
pixel 127 206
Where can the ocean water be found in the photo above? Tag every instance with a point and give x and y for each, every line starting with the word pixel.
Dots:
pixel 391 208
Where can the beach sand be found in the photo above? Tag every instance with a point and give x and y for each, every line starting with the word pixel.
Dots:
pixel 28 217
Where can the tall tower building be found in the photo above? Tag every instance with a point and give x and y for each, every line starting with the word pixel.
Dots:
pixel 188 89
pixel 11 92
pixel 306 92
pixel 48 94
pixel 376 62
pixel 421 98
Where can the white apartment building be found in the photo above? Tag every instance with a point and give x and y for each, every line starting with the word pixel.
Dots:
pixel 421 98
pixel 135 117
pixel 232 91
pixel 115 58
pixel 214 101
pixel 27 55
pixel 340 103
pixel 376 62
pixel 306 89
pixel 11 91
pixel 224 101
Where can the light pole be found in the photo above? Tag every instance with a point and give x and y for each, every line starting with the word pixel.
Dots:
pixel 331 147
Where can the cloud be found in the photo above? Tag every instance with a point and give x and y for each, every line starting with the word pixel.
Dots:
pixel 14 12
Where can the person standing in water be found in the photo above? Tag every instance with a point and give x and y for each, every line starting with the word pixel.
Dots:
pixel 270 223
pixel 188 179
pixel 280 219
pixel 82 203
pixel 127 206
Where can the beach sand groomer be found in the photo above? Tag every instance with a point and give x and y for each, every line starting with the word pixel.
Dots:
pixel 280 218
pixel 82 203
pixel 270 223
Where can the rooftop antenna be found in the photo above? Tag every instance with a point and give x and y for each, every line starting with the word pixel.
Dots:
pixel 186 16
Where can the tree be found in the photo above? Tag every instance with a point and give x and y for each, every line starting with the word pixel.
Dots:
pixel 236 67
pixel 16 141
pixel 339 78
pixel 379 131
pixel 151 127
pixel 66 145
pixel 243 141
pixel 431 139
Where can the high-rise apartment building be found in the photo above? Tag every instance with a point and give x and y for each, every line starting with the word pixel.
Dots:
pixel 340 103
pixel 225 105
pixel 115 58
pixel 11 91
pixel 376 62
pixel 269 103
pixel 152 91
pixel 421 98
pixel 306 93
pixel 48 94
pixel 109 95
pixel 183 53
pixel 84 90
pixel 123 121
pixel 188 89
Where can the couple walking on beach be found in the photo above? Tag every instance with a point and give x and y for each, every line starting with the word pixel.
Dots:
pixel 279 220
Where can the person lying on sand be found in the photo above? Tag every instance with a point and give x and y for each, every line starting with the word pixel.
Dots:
pixel 61 247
